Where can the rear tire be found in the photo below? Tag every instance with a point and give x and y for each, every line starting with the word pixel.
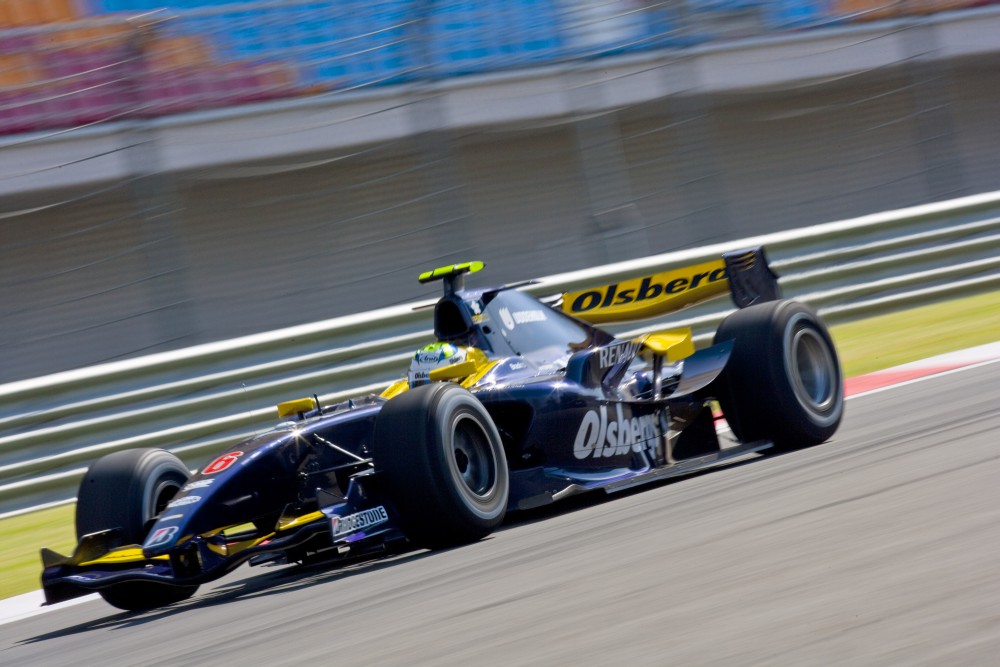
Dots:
pixel 126 490
pixel 443 464
pixel 783 380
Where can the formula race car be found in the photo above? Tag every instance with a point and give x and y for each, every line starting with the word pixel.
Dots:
pixel 518 404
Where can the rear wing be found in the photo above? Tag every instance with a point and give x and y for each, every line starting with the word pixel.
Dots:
pixel 745 274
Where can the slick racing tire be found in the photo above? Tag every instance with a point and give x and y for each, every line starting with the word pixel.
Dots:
pixel 443 465
pixel 783 380
pixel 125 490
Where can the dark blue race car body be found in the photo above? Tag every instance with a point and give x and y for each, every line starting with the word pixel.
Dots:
pixel 568 409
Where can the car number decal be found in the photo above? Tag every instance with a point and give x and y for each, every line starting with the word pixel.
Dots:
pixel 221 463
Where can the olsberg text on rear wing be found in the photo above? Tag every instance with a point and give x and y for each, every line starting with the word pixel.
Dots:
pixel 743 273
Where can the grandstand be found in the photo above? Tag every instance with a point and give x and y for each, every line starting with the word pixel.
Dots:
pixel 66 63
pixel 186 174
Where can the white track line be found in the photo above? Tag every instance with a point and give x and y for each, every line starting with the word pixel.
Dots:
pixel 30 604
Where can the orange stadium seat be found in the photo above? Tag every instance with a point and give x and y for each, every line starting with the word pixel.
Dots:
pixel 18 69
pixel 89 36
pixel 18 13
pixel 874 10
pixel 865 10
pixel 181 51
pixel 934 6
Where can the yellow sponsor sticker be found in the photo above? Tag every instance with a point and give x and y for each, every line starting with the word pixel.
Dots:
pixel 650 295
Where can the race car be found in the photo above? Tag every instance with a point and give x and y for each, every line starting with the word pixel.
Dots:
pixel 519 403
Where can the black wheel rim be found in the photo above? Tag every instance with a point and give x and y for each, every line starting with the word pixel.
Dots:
pixel 812 369
pixel 473 457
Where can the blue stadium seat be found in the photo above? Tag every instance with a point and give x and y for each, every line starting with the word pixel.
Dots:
pixel 782 14
pixel 103 6
pixel 470 36
pixel 332 43
pixel 347 43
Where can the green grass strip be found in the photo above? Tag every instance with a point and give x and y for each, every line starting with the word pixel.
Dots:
pixel 865 346
pixel 22 536
pixel 909 335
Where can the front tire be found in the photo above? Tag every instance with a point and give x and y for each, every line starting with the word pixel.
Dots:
pixel 783 380
pixel 125 490
pixel 443 463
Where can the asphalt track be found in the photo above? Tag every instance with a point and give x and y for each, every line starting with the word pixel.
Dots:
pixel 877 548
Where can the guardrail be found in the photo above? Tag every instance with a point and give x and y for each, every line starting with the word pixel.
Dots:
pixel 197 400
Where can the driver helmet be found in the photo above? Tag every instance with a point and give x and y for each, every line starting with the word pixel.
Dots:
pixel 431 357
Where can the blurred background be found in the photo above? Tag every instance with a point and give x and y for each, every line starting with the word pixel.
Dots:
pixel 173 173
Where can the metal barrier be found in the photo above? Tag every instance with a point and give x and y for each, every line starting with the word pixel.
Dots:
pixel 197 400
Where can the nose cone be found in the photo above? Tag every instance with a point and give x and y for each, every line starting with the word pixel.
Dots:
pixel 190 502
pixel 171 524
